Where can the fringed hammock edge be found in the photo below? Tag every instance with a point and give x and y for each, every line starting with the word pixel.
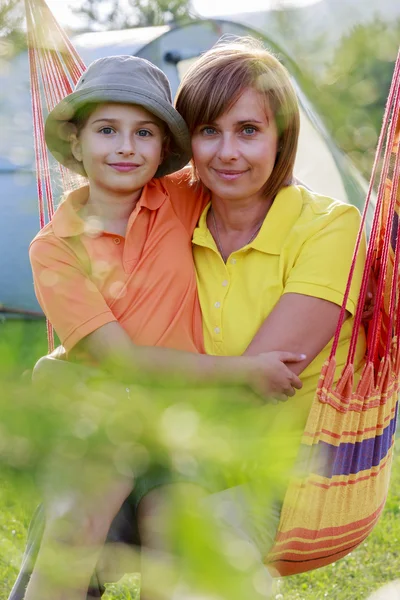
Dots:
pixel 348 441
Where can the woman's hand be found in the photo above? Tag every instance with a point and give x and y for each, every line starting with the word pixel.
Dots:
pixel 370 300
pixel 273 378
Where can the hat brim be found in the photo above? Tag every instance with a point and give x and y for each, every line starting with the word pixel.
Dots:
pixel 57 131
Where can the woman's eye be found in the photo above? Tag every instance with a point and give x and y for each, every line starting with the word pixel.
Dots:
pixel 208 131
pixel 144 133
pixel 107 130
pixel 249 130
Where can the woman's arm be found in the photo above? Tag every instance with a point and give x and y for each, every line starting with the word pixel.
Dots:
pixel 113 349
pixel 302 323
pixel 305 317
pixel 267 374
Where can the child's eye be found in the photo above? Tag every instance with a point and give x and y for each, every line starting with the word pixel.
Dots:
pixel 106 130
pixel 144 133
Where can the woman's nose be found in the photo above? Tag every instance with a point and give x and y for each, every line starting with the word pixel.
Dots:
pixel 227 148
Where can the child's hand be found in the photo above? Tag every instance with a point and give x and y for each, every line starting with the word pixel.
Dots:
pixel 59 353
pixel 273 378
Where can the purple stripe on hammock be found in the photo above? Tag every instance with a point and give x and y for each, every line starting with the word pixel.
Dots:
pixel 327 460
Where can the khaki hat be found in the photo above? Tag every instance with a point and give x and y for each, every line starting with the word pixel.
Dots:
pixel 125 80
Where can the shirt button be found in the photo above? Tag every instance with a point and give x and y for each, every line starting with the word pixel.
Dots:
pixel 233 261
pixel 117 241
pixel 217 330
pixel 217 305
pixel 225 282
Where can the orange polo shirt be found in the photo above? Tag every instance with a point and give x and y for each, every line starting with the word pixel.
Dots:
pixel 85 277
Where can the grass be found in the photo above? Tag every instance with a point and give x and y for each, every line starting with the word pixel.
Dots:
pixel 374 563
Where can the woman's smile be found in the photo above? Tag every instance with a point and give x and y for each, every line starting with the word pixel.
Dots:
pixel 229 174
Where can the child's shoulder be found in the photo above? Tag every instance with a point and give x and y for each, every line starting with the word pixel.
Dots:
pixel 46 234
pixel 180 180
pixel 182 187
pixel 187 197
pixel 50 239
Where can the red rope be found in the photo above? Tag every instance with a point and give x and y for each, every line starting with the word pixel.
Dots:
pixel 55 68
pixel 387 239
pixel 392 108
pixel 394 280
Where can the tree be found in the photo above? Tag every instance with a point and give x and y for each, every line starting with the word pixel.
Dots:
pixel 160 12
pixel 12 38
pixel 119 14
pixel 352 92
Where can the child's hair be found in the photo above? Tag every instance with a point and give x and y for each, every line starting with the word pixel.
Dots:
pixel 82 115
pixel 215 81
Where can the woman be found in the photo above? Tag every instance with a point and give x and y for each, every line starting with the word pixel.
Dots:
pixel 261 242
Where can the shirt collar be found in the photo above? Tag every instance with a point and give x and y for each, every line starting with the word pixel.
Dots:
pixel 66 221
pixel 281 217
pixel 202 235
pixel 153 195
pixel 283 214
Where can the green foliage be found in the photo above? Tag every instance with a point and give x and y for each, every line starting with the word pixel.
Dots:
pixel 81 436
pixel 101 14
pixel 161 12
pixel 128 588
pixel 17 501
pixel 12 38
pixel 351 94
pixel 10 16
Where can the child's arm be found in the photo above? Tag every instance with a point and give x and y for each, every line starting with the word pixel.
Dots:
pixel 275 380
pixel 83 319
pixel 113 349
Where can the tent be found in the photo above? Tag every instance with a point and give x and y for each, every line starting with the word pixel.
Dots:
pixel 321 165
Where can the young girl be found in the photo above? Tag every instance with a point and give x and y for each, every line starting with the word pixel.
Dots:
pixel 113 271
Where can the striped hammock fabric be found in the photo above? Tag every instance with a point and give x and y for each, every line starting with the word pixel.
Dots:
pixel 348 441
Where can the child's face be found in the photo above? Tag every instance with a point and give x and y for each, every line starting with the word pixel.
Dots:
pixel 120 146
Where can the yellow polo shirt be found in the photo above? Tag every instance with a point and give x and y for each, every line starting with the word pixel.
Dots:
pixel 305 246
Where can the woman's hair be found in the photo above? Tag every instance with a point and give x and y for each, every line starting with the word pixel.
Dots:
pixel 215 81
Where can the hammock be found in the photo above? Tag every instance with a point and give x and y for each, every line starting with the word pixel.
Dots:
pixel 349 436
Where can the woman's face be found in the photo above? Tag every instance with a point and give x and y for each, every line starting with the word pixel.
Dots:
pixel 120 147
pixel 235 155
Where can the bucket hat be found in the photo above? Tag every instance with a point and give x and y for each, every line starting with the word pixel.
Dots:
pixel 125 80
